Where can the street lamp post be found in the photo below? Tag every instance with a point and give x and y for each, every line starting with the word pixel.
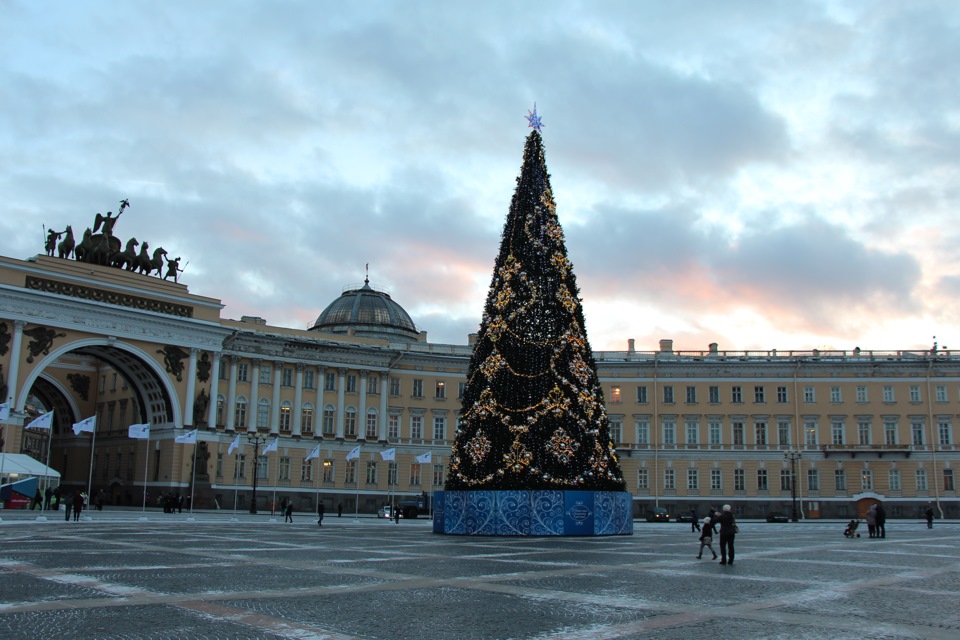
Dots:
pixel 256 440
pixel 793 456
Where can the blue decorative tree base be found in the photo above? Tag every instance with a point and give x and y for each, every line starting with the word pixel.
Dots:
pixel 533 513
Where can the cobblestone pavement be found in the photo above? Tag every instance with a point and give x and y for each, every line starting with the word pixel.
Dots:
pixel 116 575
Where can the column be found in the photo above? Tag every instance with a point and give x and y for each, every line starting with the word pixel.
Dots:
pixel 275 409
pixel 14 372
pixel 297 402
pixel 214 392
pixel 231 408
pixel 191 388
pixel 254 411
pixel 384 388
pixel 362 417
pixel 318 413
pixel 341 399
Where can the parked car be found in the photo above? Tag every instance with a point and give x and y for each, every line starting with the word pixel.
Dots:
pixel 657 514
pixel 684 517
pixel 776 516
pixel 386 512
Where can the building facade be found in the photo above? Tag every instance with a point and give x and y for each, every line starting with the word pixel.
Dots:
pixel 825 432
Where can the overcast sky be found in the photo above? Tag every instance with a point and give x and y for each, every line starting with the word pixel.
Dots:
pixel 757 174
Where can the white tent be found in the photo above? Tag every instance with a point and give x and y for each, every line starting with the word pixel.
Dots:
pixel 24 465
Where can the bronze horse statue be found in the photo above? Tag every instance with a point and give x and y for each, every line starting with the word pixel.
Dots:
pixel 127 258
pixel 65 248
pixel 97 248
pixel 147 265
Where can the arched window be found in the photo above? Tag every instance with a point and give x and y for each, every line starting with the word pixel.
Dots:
pixel 350 422
pixel 306 418
pixel 329 420
pixel 240 413
pixel 263 414
pixel 372 424
pixel 286 410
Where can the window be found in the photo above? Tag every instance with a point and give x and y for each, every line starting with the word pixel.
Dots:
pixel 373 385
pixel 440 392
pixel 416 427
pixel 643 479
pixel 616 429
pixel 439 427
pixel 264 375
pixel 350 472
pixel 941 393
pixel 714 393
pixel 615 394
pixel 948 479
pixel 759 396
pixel 263 466
pixel 693 480
pixel 241 470
pixel 692 429
pixel 222 371
pixel 782 396
pixel 866 480
pixel 392 474
pixel 669 432
pixel 862 394
pixel 669 479
pixel 351 383
pixel 715 429
pixel 739 480
pixel 372 425
pixel 240 413
pixel 785 484
pixel 643 431
pixel 219 465
pixel 220 402
pixel 371 472
pixel 889 432
pixel 113 382
pixel 306 471
pixel 417 388
pixel 642 394
pixel 921 480
pixel 308 379
pixel 263 414
pixel 813 480
pixel 438 475
pixel 286 412
pixel 716 480
pixel 329 420
pixel 916 429
pixel 103 386
pixel 668 394
pixel 888 394
pixel 394 386
pixel 914 393
pixel 761 479
pixel 863 432
pixel 284 468
pixel 835 394
pixel 840 479
pixel 287 378
pixel 760 434
pixel 691 394
pixel 350 422
pixel 893 478
pixel 330 382
pixel 306 418
pixel 836 432
pixel 736 395
pixel 415 474
pixel 393 426
pixel 328 471
pixel 461 387
pixel 783 433
pixel 809 396
pixel 243 372
pixel 945 432
pixel 737 428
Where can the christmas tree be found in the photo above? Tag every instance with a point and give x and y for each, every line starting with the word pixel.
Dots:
pixel 533 414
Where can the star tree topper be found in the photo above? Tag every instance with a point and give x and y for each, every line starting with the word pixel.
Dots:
pixel 533 119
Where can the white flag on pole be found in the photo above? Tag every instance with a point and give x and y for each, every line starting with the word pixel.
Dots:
pixel 425 458
pixel 271 447
pixel 233 445
pixel 313 454
pixel 390 455
pixel 87 424
pixel 187 438
pixel 139 431
pixel 44 421
pixel 4 411
pixel 354 454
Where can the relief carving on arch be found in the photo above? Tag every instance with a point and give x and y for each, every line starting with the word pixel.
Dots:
pixel 173 357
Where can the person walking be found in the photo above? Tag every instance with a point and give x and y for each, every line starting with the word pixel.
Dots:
pixel 288 512
pixel 706 538
pixel 396 515
pixel 881 521
pixel 320 511
pixel 339 509
pixel 929 514
pixel 728 531
pixel 694 525
pixel 871 519
pixel 78 500
pixel 68 506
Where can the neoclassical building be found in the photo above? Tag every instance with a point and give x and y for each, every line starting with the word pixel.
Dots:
pixel 829 432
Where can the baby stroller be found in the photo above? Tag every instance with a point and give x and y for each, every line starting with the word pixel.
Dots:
pixel 851 530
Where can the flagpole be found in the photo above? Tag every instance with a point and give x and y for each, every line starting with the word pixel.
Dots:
pixel 93 442
pixel 275 483
pixel 193 476
pixel 146 465
pixel 46 474
pixel 236 477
